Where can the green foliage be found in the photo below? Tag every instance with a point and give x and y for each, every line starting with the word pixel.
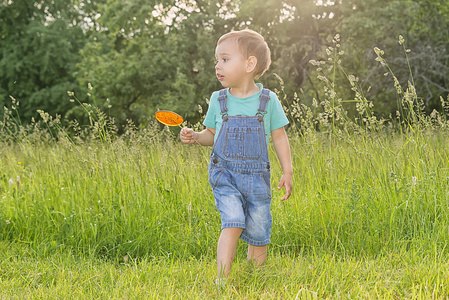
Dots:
pixel 370 24
pixel 125 61
pixel 142 56
pixel 39 50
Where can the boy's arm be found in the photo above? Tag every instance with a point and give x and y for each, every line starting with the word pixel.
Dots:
pixel 204 138
pixel 282 147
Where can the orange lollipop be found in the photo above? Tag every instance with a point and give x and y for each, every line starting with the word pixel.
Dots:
pixel 169 118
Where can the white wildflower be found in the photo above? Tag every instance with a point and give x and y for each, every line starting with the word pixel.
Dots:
pixel 378 51
pixel 44 115
pixel 322 78
pixel 352 79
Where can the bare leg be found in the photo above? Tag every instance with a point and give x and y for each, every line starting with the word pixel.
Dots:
pixel 226 248
pixel 258 253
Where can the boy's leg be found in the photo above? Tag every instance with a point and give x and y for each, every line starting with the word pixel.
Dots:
pixel 258 253
pixel 226 248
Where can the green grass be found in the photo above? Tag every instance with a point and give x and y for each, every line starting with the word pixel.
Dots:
pixel 135 218
pixel 317 276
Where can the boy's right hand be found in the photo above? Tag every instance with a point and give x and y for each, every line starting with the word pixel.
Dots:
pixel 187 136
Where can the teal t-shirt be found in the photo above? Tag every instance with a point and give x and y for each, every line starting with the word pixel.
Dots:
pixel 274 118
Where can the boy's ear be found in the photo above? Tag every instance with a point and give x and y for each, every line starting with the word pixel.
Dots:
pixel 251 64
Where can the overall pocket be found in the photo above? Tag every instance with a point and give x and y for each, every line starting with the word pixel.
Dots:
pixel 242 143
pixel 266 179
pixel 215 175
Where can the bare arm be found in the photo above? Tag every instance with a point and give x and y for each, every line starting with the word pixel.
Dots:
pixel 282 147
pixel 203 138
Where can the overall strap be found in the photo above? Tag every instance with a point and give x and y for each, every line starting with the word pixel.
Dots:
pixel 223 104
pixel 264 98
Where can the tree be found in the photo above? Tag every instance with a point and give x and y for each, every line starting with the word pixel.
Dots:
pixel 38 52
pixel 129 61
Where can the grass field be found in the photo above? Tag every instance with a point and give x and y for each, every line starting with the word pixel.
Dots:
pixel 135 218
pixel 323 275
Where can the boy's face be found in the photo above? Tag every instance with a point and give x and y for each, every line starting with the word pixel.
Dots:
pixel 230 65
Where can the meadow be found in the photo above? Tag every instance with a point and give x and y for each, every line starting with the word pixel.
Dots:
pixel 135 217
pixel 88 213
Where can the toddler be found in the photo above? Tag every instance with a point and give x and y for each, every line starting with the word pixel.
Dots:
pixel 238 122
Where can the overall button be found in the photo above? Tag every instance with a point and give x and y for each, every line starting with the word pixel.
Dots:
pixel 215 161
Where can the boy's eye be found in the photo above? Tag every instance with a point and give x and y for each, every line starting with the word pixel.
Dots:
pixel 224 60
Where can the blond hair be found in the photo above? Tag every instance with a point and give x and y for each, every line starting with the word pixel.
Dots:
pixel 251 44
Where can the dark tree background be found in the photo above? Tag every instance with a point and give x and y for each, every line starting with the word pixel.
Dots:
pixel 141 56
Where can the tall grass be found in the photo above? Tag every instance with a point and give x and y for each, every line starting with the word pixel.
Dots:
pixel 363 187
pixel 152 197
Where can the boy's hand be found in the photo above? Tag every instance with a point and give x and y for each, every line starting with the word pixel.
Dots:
pixel 187 136
pixel 286 182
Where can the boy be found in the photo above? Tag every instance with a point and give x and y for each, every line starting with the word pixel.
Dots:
pixel 237 125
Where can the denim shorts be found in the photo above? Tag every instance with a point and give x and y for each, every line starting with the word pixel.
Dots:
pixel 243 199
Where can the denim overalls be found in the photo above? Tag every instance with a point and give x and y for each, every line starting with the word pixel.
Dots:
pixel 239 173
